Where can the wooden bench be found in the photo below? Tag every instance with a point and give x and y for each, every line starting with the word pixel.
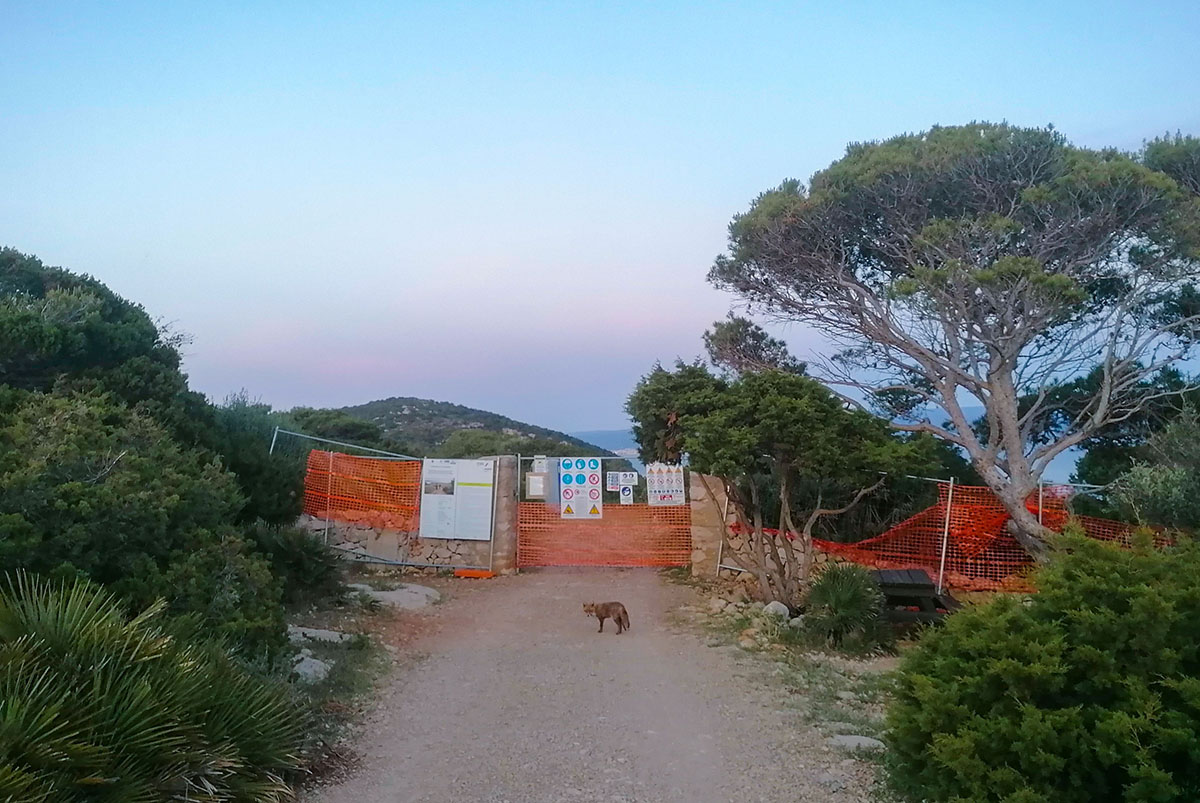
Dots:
pixel 904 589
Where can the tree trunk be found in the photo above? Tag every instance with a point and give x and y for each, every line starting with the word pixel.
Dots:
pixel 1029 532
pixel 760 556
pixel 1022 524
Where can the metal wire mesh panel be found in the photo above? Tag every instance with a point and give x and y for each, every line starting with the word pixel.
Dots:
pixel 386 494
pixel 981 555
pixel 628 535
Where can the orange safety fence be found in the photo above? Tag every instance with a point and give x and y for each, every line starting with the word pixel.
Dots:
pixel 626 535
pixel 385 494
pixel 981 555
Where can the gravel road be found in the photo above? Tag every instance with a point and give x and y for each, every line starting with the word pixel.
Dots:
pixel 520 700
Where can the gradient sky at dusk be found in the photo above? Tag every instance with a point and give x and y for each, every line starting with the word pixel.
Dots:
pixel 506 205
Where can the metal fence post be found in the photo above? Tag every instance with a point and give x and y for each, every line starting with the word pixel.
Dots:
pixel 945 535
pixel 328 494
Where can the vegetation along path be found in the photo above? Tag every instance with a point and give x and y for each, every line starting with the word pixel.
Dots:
pixel 520 699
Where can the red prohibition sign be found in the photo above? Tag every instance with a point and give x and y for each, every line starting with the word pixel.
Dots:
pixel 594 479
pixel 594 493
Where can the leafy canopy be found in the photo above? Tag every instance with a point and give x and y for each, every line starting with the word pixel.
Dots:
pixel 94 489
pixel 987 263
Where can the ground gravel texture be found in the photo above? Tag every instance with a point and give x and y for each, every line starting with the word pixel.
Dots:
pixel 520 700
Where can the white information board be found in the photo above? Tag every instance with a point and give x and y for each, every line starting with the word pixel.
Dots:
pixel 579 488
pixel 457 499
pixel 664 484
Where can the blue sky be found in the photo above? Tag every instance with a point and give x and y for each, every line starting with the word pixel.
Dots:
pixel 506 205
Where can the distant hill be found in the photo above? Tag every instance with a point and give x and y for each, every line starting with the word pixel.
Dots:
pixel 424 424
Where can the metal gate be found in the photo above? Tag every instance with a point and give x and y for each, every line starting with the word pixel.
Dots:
pixel 636 534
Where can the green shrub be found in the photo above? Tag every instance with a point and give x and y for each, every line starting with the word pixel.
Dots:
pixel 94 489
pixel 97 707
pixel 306 567
pixel 845 607
pixel 272 484
pixel 1088 691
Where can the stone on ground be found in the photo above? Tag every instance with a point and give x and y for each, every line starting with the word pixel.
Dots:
pixel 797 623
pixel 851 742
pixel 406 595
pixel 312 670
pixel 299 635
pixel 776 608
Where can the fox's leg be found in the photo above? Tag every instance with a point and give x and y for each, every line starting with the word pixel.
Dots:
pixel 601 618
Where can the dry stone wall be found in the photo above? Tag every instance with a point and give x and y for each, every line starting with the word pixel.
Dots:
pixel 366 540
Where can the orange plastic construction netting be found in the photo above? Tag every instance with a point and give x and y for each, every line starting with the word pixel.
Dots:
pixel 981 555
pixel 386 494
pixel 627 535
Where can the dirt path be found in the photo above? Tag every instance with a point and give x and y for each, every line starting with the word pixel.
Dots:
pixel 521 700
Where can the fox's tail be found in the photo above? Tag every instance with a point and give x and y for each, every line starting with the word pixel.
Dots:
pixel 625 619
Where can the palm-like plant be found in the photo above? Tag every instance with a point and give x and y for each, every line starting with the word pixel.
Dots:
pixel 95 706
pixel 844 601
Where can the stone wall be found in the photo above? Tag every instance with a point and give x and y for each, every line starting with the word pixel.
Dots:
pixel 365 541
pixel 707 529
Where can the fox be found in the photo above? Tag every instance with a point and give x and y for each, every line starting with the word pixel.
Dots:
pixel 608 610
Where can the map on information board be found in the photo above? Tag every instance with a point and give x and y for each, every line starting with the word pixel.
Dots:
pixel 580 487
pixel 456 499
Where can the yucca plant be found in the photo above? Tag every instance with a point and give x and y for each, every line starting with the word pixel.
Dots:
pixel 845 604
pixel 96 706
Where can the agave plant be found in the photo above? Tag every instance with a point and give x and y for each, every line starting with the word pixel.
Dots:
pixel 99 707
pixel 844 601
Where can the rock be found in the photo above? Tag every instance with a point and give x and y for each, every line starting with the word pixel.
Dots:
pixel 851 742
pixel 299 635
pixel 797 623
pixel 847 695
pixel 831 782
pixel 776 608
pixel 716 604
pixel 407 595
pixel 311 669
pixel 747 643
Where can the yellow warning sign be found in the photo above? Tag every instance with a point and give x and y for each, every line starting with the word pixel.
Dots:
pixel 568 511
pixel 594 511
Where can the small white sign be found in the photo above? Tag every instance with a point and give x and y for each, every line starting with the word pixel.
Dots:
pixel 612 480
pixel 664 484
pixel 626 494
pixel 627 478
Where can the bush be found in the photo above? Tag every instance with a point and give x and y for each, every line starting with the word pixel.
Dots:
pixel 97 490
pixel 845 607
pixel 306 568
pixel 100 708
pixel 272 484
pixel 1088 691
